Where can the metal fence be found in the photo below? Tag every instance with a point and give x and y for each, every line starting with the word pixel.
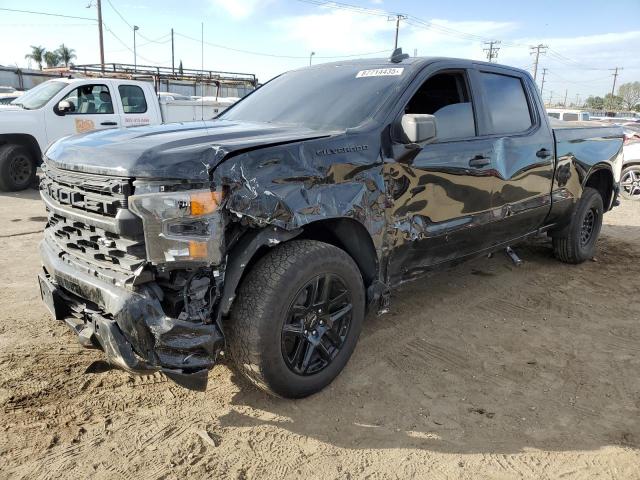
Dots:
pixel 23 78
pixel 188 82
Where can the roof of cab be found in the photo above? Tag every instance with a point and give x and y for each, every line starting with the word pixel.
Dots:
pixel 412 62
pixel 97 79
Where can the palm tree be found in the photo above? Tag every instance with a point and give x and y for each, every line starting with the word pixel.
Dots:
pixel 65 54
pixel 37 55
pixel 51 59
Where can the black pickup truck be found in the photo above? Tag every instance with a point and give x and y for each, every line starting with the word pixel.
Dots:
pixel 269 232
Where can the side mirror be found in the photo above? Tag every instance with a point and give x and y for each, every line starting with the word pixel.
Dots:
pixel 419 127
pixel 64 107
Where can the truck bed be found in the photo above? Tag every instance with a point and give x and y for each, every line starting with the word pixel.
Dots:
pixel 589 143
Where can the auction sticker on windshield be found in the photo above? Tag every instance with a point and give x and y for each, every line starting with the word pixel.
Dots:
pixel 380 72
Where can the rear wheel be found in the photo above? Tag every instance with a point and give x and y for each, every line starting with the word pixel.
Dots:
pixel 17 168
pixel 578 241
pixel 630 182
pixel 297 318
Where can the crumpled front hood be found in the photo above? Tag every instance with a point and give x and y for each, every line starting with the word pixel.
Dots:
pixel 172 151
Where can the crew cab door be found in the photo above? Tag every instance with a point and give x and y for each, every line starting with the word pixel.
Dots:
pixel 439 194
pixel 522 150
pixel 93 108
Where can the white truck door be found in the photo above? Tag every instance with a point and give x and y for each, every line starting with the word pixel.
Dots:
pixel 137 109
pixel 92 108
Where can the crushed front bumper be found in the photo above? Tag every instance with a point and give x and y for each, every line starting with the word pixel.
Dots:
pixel 130 327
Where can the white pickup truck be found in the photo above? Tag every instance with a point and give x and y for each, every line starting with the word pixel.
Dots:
pixel 61 107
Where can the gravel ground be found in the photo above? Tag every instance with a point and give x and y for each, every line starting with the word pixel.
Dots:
pixel 486 371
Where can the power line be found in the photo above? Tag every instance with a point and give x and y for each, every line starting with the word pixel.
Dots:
pixel 349 7
pixel 119 14
pixel 409 19
pixel 570 62
pixel 584 82
pixel 47 13
pixel 125 45
pixel 419 23
pixel 274 55
pixel 412 20
pixel 231 48
pixel 149 40
pixel 45 25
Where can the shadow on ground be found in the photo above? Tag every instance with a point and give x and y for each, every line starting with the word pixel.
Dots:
pixel 487 357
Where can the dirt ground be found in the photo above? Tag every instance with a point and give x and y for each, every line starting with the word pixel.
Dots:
pixel 487 371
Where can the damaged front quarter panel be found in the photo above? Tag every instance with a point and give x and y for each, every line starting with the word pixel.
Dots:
pixel 293 185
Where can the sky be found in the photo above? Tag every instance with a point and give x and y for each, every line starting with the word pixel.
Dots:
pixel 586 38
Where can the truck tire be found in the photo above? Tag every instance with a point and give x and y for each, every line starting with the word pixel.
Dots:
pixel 17 168
pixel 288 333
pixel 630 182
pixel 578 242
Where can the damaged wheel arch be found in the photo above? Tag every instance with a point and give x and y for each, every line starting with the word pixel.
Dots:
pixel 344 233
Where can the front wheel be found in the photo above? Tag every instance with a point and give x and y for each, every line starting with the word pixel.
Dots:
pixel 17 168
pixel 297 318
pixel 578 242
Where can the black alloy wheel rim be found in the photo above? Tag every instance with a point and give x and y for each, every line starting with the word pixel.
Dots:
pixel 317 325
pixel 631 183
pixel 20 169
pixel 588 226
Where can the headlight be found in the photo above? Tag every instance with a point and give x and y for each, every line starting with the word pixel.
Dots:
pixel 180 226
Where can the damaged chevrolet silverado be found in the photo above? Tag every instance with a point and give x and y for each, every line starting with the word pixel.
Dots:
pixel 268 232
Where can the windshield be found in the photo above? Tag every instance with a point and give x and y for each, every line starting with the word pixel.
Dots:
pixel 38 96
pixel 336 97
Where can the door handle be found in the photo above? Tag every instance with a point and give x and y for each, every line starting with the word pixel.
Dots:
pixel 479 161
pixel 543 153
pixel 109 123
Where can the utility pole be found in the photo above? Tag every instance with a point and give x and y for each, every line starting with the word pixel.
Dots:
pixel 99 5
pixel 566 92
pixel 537 50
pixel 135 57
pixel 550 97
pixel 544 74
pixel 173 68
pixel 492 51
pixel 397 18
pixel 615 77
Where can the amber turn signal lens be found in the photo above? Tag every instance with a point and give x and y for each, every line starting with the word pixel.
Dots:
pixel 203 203
pixel 198 249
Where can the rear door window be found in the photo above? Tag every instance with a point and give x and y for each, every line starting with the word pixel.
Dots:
pixel 133 100
pixel 507 103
